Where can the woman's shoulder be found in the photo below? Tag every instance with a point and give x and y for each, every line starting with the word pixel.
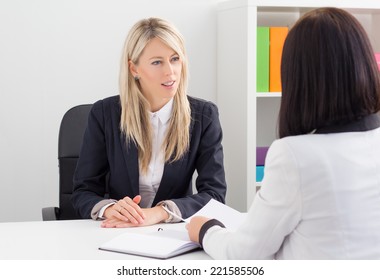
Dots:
pixel 111 101
pixel 107 108
pixel 202 106
pixel 108 104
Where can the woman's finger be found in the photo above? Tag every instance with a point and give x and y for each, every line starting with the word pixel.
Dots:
pixel 121 211
pixel 118 212
pixel 137 199
pixel 133 209
pixel 112 223
pixel 128 216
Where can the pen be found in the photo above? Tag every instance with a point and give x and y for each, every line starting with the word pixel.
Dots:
pixel 174 215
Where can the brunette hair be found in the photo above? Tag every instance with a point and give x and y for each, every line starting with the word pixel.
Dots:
pixel 329 73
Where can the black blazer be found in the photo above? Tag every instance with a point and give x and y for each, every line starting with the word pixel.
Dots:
pixel 105 159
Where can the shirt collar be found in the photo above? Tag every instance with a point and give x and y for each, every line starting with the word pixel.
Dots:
pixel 365 123
pixel 165 112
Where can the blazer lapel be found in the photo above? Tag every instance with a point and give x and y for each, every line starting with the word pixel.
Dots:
pixel 171 172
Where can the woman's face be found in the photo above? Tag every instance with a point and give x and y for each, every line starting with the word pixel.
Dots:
pixel 159 70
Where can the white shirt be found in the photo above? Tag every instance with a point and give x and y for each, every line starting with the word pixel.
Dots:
pixel 150 181
pixel 320 199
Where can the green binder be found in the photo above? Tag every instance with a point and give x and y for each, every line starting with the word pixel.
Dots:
pixel 262 61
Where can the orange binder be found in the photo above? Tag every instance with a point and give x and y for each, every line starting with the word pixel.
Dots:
pixel 277 37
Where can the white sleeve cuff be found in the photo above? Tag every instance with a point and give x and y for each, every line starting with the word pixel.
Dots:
pixel 173 208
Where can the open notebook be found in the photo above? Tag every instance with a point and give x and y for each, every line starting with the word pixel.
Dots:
pixel 165 243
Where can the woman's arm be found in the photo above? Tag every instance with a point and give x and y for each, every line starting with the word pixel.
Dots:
pixel 274 214
pixel 206 144
pixel 92 167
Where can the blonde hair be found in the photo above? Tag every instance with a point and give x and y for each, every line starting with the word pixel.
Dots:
pixel 135 120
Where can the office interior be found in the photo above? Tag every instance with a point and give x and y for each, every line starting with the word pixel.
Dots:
pixel 58 54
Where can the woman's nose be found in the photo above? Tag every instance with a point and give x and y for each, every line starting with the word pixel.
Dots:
pixel 169 69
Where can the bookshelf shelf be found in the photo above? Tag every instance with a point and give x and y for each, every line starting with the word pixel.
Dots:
pixel 268 94
pixel 248 117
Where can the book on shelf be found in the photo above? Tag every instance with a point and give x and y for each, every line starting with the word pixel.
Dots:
pixel 261 153
pixel 259 173
pixel 168 243
pixel 262 59
pixel 277 37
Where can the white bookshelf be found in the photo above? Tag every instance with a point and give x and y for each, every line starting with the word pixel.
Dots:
pixel 249 118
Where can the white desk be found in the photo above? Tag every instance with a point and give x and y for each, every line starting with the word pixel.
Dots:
pixel 68 240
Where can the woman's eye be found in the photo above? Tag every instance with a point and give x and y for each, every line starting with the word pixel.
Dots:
pixel 175 58
pixel 157 62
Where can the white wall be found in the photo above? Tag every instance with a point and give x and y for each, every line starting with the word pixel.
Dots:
pixel 55 54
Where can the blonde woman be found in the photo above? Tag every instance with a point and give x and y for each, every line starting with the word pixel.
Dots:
pixel 142 147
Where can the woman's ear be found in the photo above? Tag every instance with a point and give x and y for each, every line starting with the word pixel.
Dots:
pixel 133 68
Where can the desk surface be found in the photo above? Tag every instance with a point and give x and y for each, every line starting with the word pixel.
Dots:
pixel 69 240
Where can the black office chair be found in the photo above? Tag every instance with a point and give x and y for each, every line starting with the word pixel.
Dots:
pixel 70 139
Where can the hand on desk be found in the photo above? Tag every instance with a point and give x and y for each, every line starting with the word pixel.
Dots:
pixel 194 227
pixel 127 213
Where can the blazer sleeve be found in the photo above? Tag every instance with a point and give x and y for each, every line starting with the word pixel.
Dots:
pixel 207 140
pixel 92 167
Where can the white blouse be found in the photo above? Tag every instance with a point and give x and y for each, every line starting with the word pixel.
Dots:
pixel 320 199
pixel 150 181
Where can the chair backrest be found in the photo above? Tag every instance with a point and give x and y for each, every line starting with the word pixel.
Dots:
pixel 70 138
